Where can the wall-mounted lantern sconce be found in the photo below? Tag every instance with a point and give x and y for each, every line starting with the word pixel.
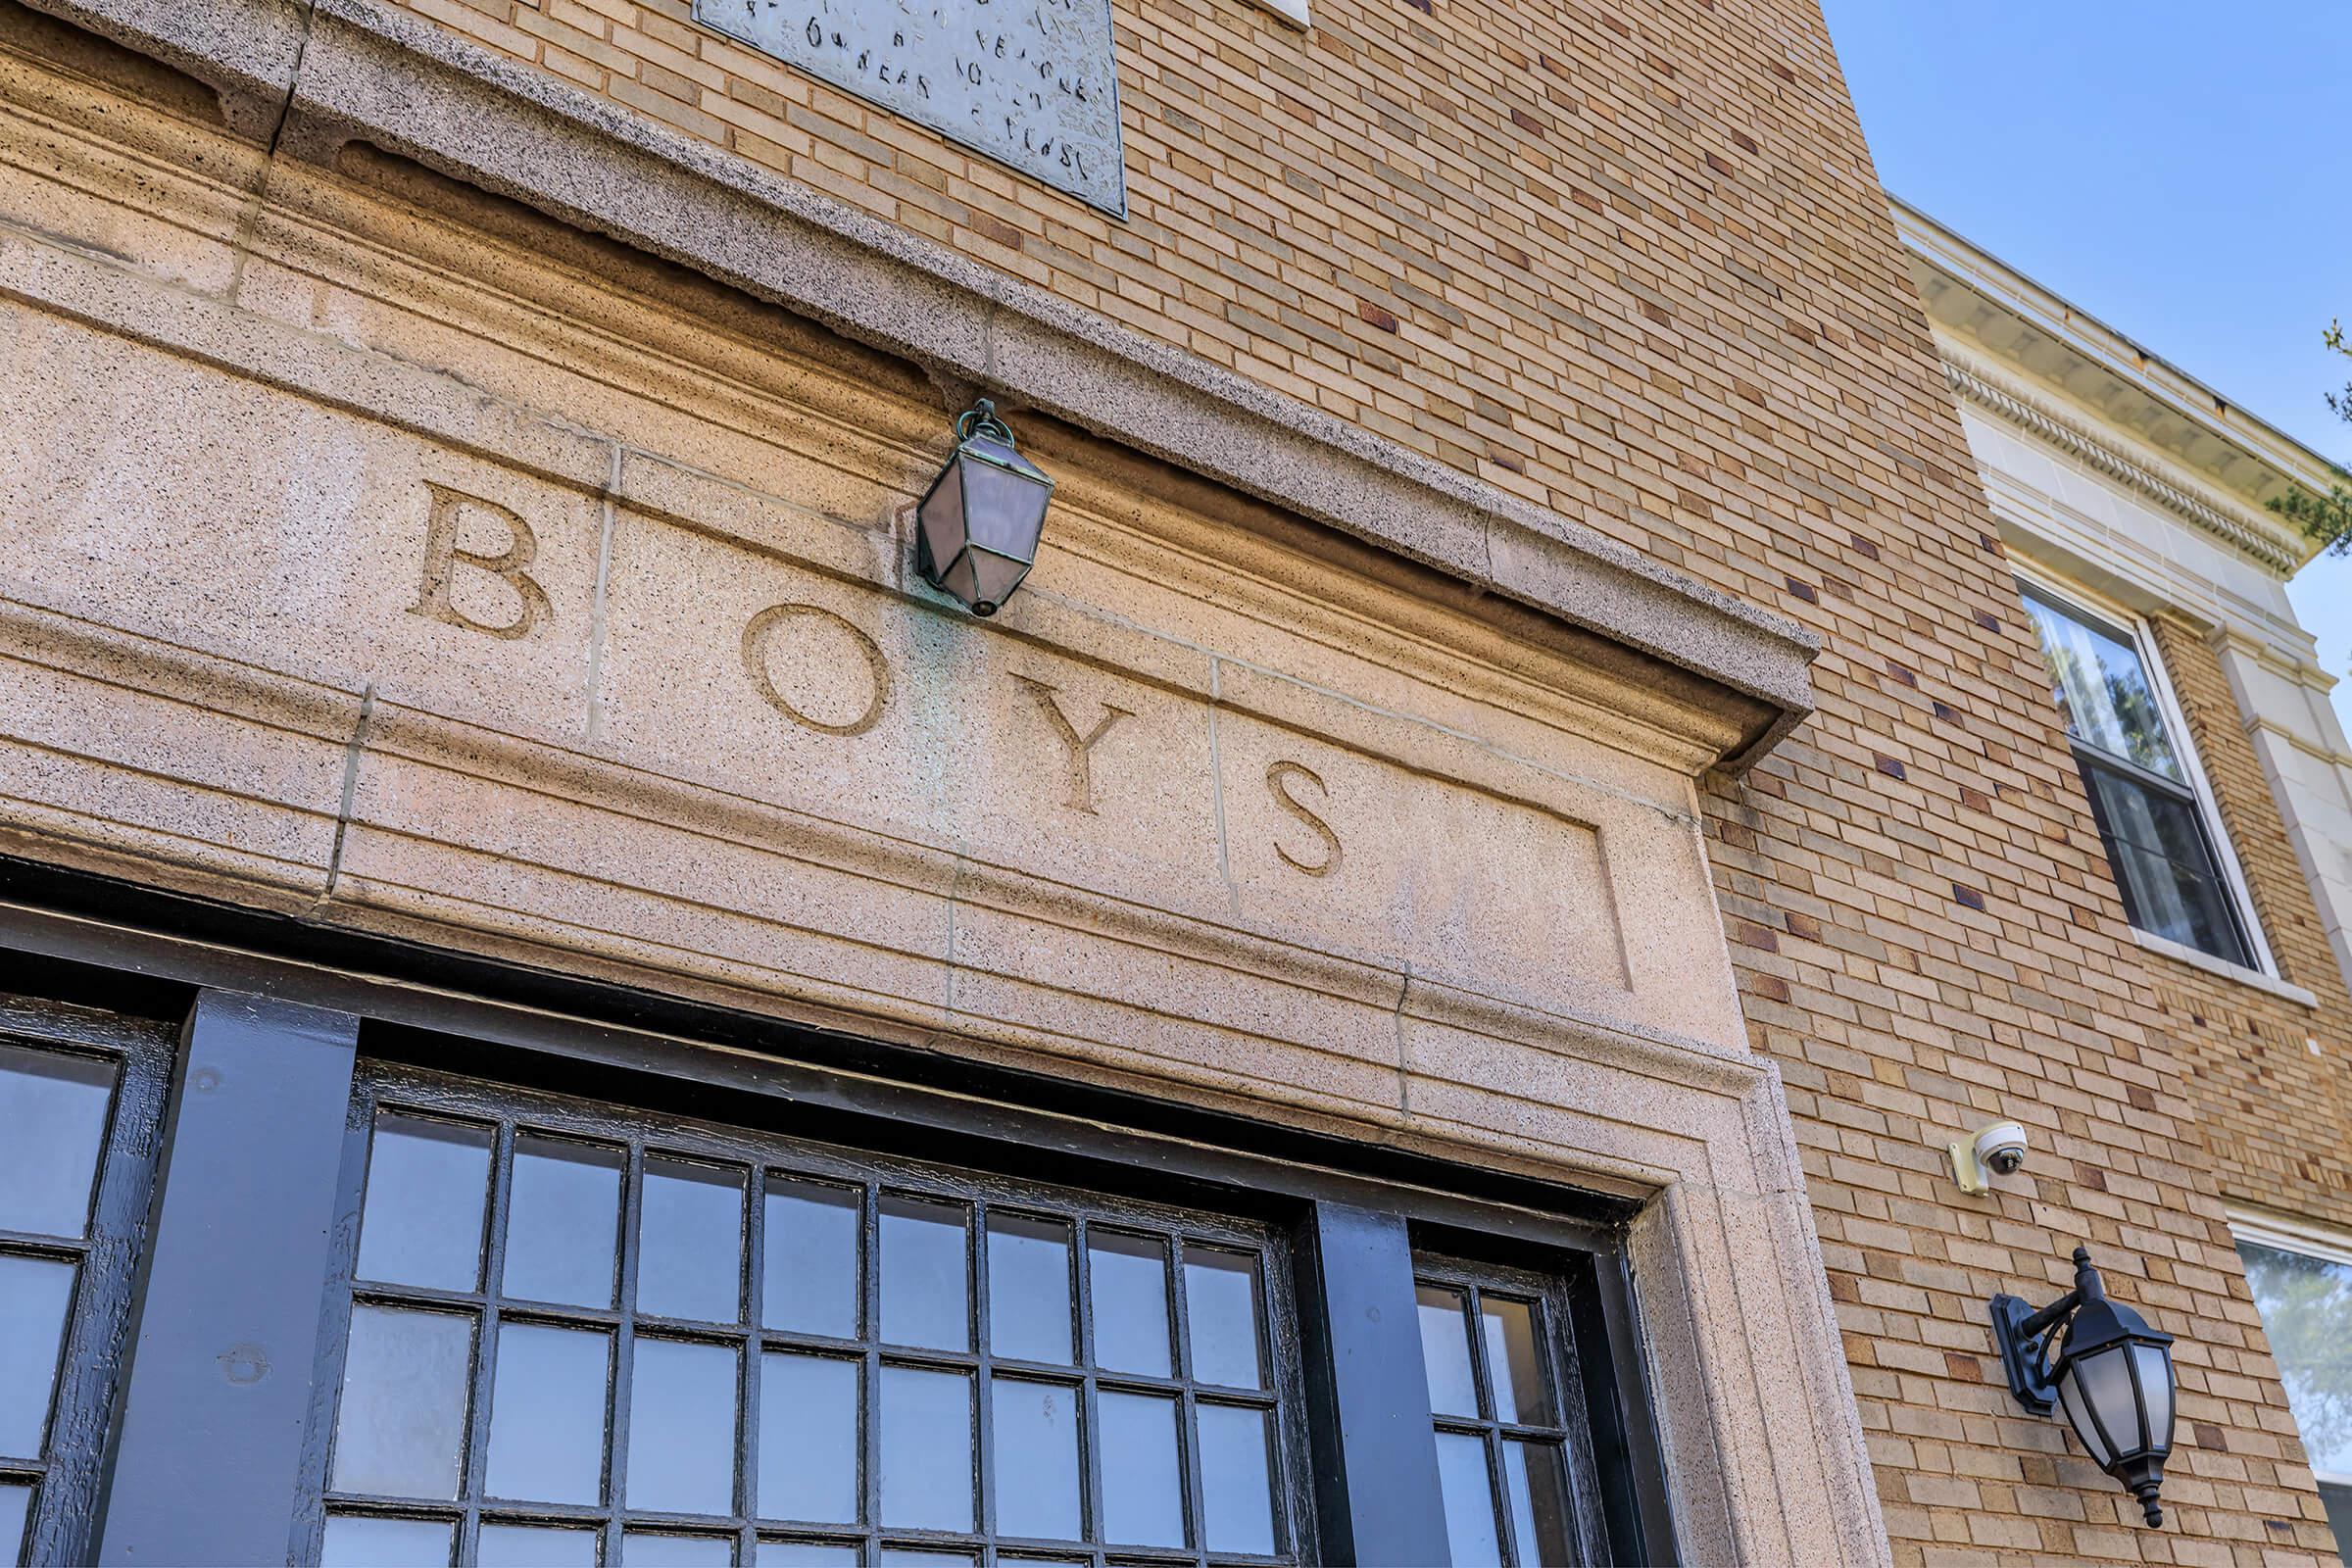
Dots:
pixel 977 528
pixel 2113 1374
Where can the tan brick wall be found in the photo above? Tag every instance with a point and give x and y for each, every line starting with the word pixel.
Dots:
pixel 2272 1080
pixel 1630 260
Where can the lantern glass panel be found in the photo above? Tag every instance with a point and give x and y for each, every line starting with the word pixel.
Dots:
pixel 958 579
pixel 995 577
pixel 2155 1367
pixel 2096 1389
pixel 942 518
pixel 1004 509
pixel 2077 1417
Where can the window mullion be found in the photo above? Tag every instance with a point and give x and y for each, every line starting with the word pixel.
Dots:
pixel 623 1375
pixel 751 1385
pixel 261 1103
pixel 1378 1499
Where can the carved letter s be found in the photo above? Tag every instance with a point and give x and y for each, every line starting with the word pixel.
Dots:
pixel 442 558
pixel 1278 776
pixel 755 664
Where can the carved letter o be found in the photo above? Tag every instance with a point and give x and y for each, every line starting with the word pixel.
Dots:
pixel 755 664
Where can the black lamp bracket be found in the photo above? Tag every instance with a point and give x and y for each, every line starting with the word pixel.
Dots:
pixel 2024 1337
pixel 981 419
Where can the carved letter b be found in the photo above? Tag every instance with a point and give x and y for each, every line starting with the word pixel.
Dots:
pixel 443 556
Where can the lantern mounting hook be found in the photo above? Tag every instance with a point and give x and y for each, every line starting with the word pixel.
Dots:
pixel 981 419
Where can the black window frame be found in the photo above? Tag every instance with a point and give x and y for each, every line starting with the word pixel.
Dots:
pixel 1550 1295
pixel 510 1110
pixel 67 1476
pixel 300 1005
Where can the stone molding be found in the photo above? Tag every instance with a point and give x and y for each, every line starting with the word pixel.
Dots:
pixel 345 71
pixel 2208 511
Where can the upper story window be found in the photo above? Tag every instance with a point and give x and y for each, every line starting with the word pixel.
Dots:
pixel 2302 1287
pixel 2168 854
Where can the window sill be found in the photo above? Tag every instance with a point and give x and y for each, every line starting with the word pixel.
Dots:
pixel 1293 12
pixel 2225 969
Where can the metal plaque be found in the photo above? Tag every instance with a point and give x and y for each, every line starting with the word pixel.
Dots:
pixel 1030 82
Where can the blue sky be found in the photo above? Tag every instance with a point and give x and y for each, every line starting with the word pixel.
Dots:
pixel 2179 170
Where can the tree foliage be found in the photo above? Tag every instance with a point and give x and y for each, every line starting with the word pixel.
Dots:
pixel 2326 519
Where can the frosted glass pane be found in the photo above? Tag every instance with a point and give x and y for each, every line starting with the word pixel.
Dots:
pixel 1036 1459
pixel 811 1269
pixel 2156 1387
pixel 400 1430
pixel 427 1184
pixel 53 1109
pixel 1128 1276
pixel 682 1426
pixel 547 1414
pixel 1446 1350
pixel 1237 1485
pixel 354 1542
pixel 1220 1299
pixel 926 1448
pixel 809 1444
pixel 1142 1484
pixel 563 1222
pixel 925 1295
pixel 1029 1288
pixel 691 1242
pixel 535 1547
pixel 2079 1416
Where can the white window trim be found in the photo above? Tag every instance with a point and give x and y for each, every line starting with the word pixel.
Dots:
pixel 2175 723
pixel 2283 1235
pixel 1293 12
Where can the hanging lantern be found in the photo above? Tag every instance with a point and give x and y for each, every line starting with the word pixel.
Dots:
pixel 977 528
pixel 2113 1377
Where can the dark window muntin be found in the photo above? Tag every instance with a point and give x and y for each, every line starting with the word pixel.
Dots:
pixel 66 1477
pixel 512 1110
pixel 97 938
pixel 2237 936
pixel 1550 1294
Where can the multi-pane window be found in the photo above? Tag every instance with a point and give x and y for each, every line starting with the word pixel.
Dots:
pixel 582 1337
pixel 78 1094
pixel 2158 836
pixel 1515 1479
pixel 2303 1290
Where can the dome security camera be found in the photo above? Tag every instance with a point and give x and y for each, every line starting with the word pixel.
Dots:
pixel 1999 1150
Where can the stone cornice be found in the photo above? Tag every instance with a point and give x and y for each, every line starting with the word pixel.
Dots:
pixel 1969 290
pixel 2208 511
pixel 314 80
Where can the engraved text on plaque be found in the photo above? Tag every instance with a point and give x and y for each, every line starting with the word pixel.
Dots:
pixel 1029 82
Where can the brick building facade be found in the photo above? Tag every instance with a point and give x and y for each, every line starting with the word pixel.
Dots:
pixel 1595 826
